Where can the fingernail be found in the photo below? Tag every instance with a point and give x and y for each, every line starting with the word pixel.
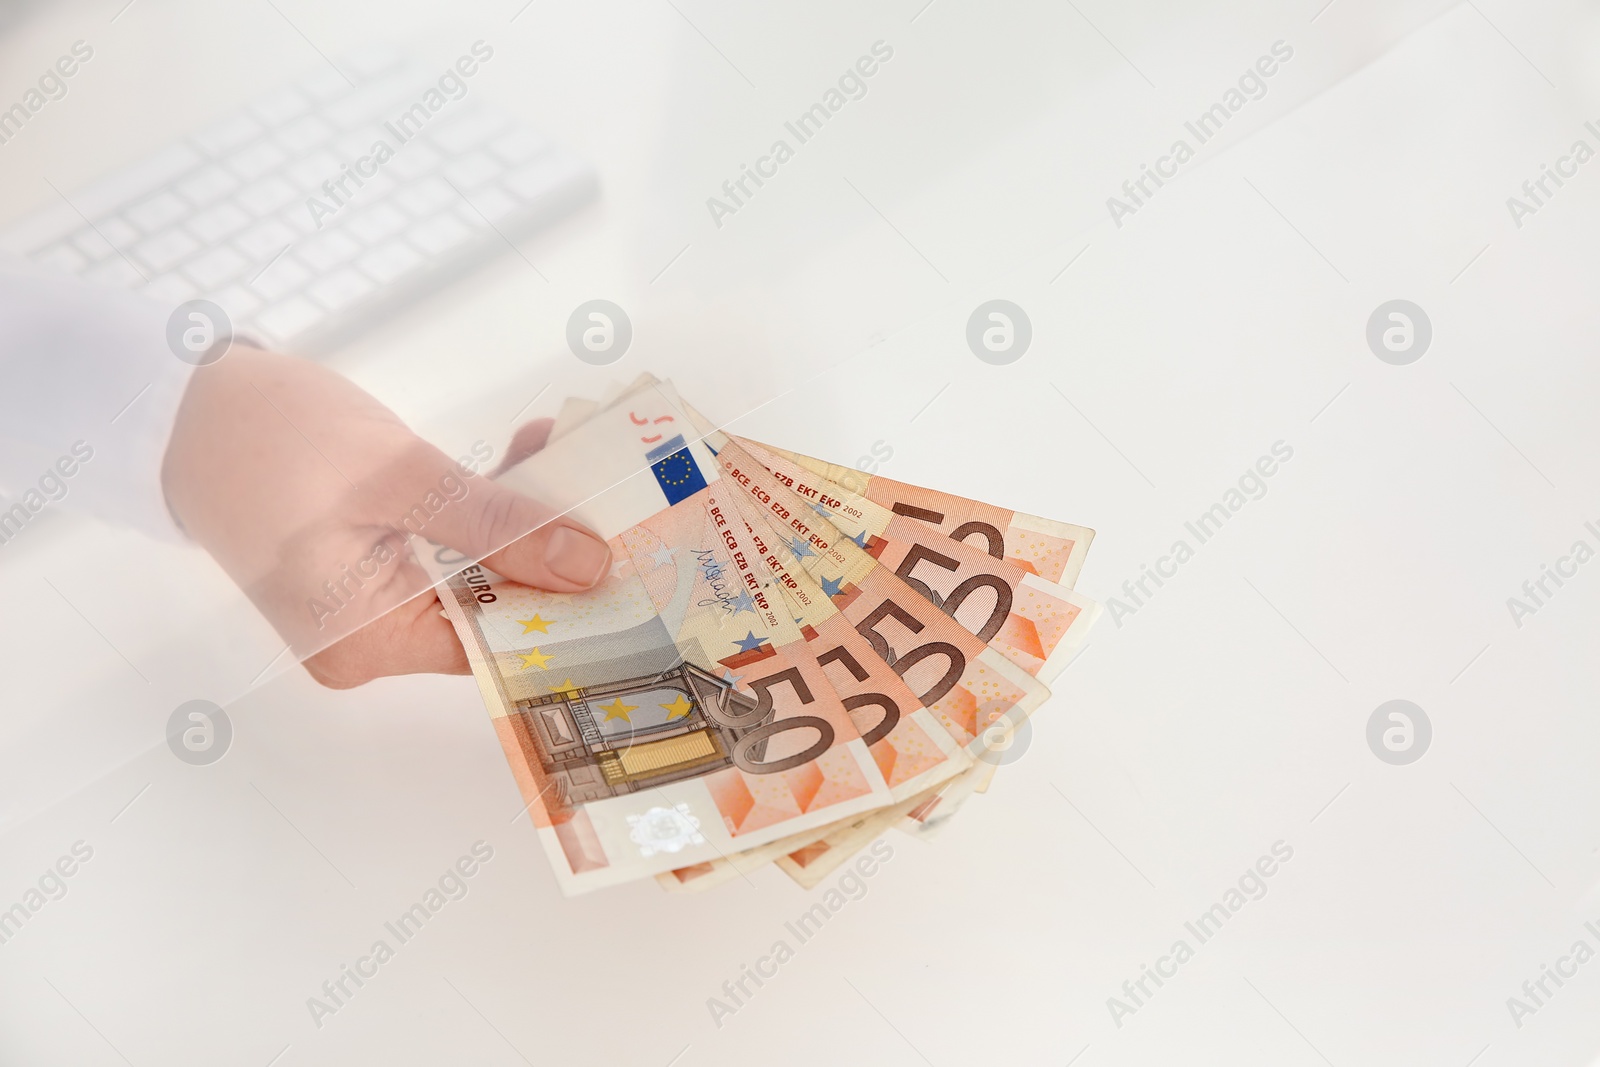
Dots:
pixel 577 556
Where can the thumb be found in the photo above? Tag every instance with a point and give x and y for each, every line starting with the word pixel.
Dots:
pixel 524 540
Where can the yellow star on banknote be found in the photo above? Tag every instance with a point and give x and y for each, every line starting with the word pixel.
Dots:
pixel 618 710
pixel 535 623
pixel 679 708
pixel 534 659
pixel 566 688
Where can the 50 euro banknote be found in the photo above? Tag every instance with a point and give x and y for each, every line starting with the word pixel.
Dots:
pixel 1039 624
pixel 1057 611
pixel 911 747
pixel 649 722
pixel 996 552
pixel 1053 550
pixel 970 686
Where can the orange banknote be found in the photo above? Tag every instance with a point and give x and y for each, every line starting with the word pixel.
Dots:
pixel 1050 549
pixel 672 714
pixel 1038 623
pixel 970 686
pixel 1002 576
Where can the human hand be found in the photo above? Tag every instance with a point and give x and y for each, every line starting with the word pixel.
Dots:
pixel 303 487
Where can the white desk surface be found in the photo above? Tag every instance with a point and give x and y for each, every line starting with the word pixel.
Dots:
pixel 1228 713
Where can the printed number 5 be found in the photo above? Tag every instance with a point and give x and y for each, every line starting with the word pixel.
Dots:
pixel 956 663
pixel 951 604
pixel 742 757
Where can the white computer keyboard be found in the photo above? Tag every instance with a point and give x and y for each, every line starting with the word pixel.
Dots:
pixel 224 214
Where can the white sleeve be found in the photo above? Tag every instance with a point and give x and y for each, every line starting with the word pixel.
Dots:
pixel 87 386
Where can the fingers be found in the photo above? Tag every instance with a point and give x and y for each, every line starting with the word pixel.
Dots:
pixel 421 491
pixel 417 638
pixel 563 557
pixel 522 539
pixel 414 638
pixel 425 492
pixel 570 551
pixel 540 549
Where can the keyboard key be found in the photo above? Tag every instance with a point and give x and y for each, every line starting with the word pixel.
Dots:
pixel 171 289
pixel 472 217
pixel 377 187
pixel 208 186
pixel 466 132
pixel 256 159
pixel 350 147
pixel 62 257
pixel 372 104
pixel 213 224
pixel 309 173
pixel 307 224
pixel 165 250
pixel 118 232
pixel 411 161
pixel 223 137
pixel 386 263
pixel 267 195
pixel 518 146
pixel 115 271
pixel 302 136
pixel 283 321
pixel 280 107
pixel 239 302
pixel 215 267
pixel 92 245
pixel 157 212
pixel 328 251
pixel 340 289
pixel 471 171
pixel 266 240
pixel 441 234
pixel 373 224
pixel 287 275
pixel 425 198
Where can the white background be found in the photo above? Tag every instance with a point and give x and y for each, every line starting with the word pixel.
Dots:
pixel 1228 713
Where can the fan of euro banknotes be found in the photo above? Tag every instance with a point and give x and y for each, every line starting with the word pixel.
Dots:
pixel 787 658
